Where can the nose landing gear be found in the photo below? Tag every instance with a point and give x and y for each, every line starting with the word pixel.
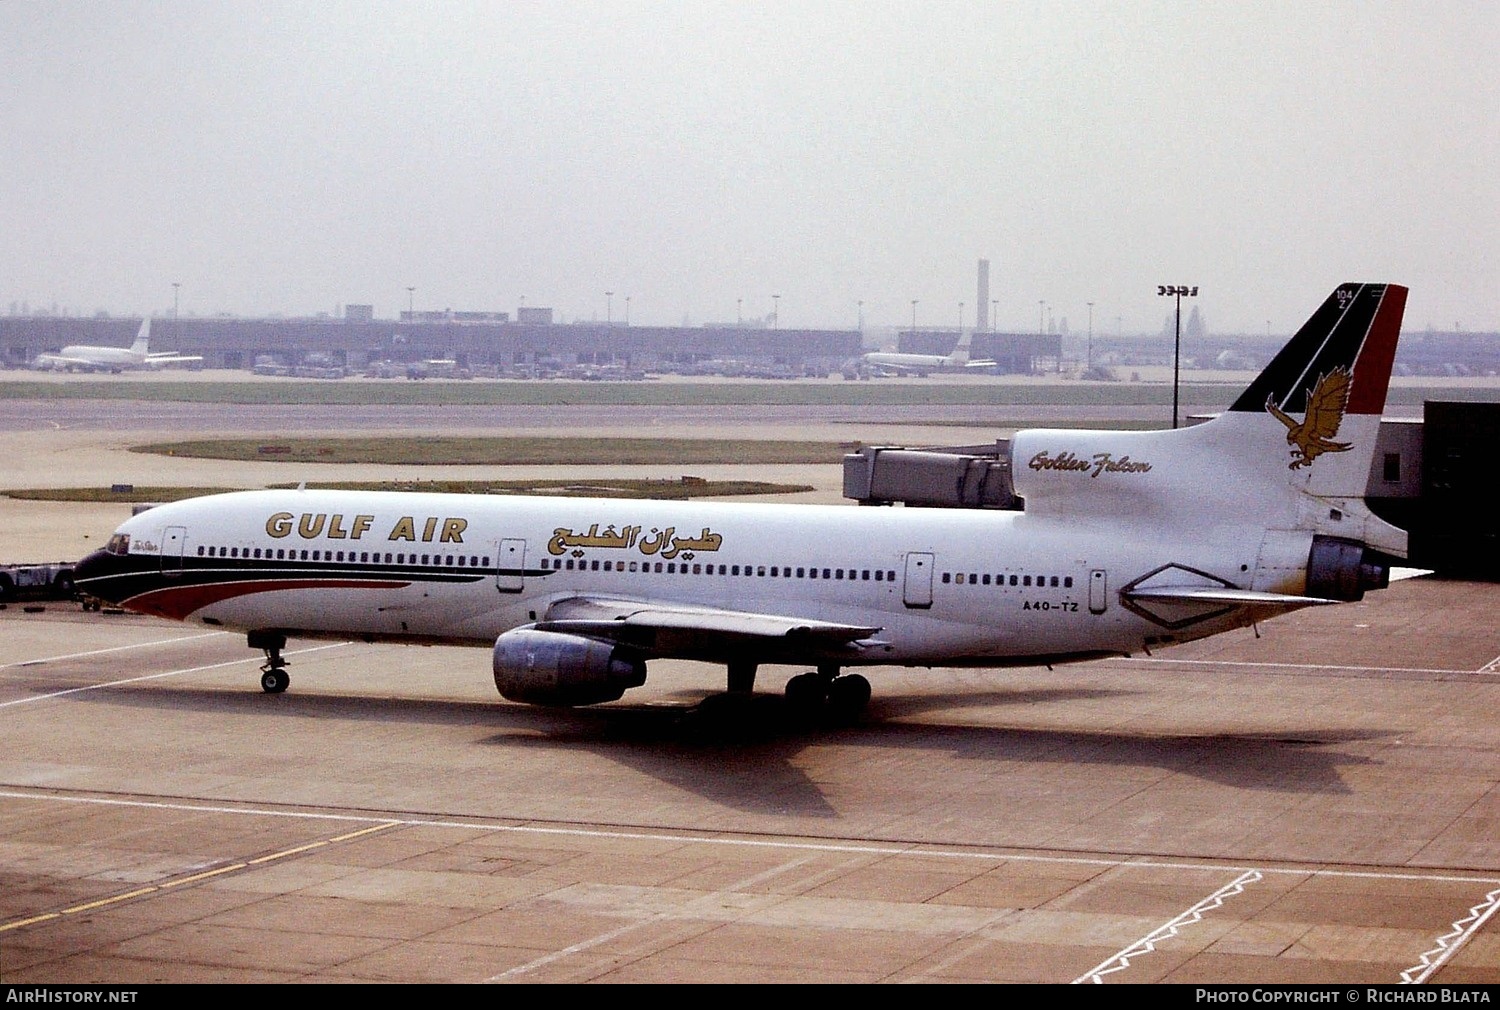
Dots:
pixel 273 675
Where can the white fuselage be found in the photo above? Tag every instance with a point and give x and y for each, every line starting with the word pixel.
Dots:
pixel 945 587
pixel 898 362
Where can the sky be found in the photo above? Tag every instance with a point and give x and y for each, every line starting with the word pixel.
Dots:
pixel 699 159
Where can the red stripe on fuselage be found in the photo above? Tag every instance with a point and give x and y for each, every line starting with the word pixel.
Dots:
pixel 178 602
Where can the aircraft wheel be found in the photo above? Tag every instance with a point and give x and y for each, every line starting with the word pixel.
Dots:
pixel 847 697
pixel 805 693
pixel 274 681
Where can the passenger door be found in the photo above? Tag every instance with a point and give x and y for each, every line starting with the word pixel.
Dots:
pixel 917 588
pixel 510 566
pixel 173 541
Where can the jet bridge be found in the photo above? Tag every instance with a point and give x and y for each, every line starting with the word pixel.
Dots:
pixel 961 476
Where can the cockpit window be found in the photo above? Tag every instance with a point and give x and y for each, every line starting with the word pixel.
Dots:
pixel 118 544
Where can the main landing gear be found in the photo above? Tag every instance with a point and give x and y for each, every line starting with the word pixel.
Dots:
pixel 825 692
pixel 820 697
pixel 273 675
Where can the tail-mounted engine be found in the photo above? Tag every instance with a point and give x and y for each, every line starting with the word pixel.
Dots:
pixel 1344 569
pixel 549 668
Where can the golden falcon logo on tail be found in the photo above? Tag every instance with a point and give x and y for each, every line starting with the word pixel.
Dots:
pixel 1325 412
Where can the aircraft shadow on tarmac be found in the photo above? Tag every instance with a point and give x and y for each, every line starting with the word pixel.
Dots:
pixel 744 756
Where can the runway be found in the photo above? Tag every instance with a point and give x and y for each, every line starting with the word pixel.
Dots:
pixel 1318 804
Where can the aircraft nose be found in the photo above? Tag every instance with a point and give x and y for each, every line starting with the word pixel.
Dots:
pixel 91 574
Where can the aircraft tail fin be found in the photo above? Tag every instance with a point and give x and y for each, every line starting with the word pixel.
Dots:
pixel 1292 454
pixel 142 338
pixel 960 355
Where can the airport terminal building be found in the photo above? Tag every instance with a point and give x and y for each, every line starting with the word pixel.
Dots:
pixel 491 341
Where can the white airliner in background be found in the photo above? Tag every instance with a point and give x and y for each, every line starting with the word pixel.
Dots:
pixel 894 363
pixel 87 358
pixel 1128 540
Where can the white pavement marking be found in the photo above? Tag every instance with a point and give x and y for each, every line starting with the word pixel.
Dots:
pixel 113 648
pixel 1450 942
pixel 1493 666
pixel 1146 944
pixel 1304 666
pixel 923 849
pixel 158 676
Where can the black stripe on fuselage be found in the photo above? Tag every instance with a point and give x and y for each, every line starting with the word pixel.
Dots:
pixel 120 577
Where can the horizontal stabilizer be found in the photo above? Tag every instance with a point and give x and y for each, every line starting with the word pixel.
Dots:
pixel 1224 595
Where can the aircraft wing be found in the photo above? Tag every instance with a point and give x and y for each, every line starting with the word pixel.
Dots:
pixel 167 357
pixel 979 364
pixel 694 632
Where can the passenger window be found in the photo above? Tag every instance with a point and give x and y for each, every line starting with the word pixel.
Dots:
pixel 947 578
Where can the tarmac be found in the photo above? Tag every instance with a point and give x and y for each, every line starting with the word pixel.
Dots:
pixel 1316 801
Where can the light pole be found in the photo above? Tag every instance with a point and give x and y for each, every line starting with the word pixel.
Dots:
pixel 1089 361
pixel 176 286
pixel 1176 291
pixel 1041 317
pixel 994 309
pixel 609 308
pixel 960 319
pixel 739 313
pixel 411 312
pixel 627 310
pixel 861 304
pixel 913 317
pixel 775 312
